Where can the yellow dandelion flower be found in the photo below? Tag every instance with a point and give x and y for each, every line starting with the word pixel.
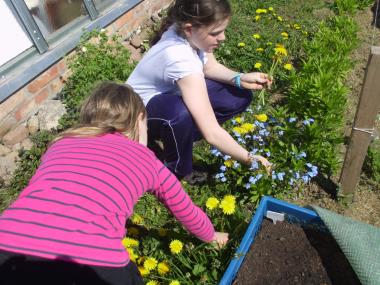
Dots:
pixel 132 255
pixel 261 11
pixel 239 130
pixel 269 43
pixel 257 17
pixel 271 9
pixel 176 246
pixel 228 163
pixel 241 44
pixel 261 117
pixel 228 205
pixel 296 26
pixel 239 119
pixel 162 232
pixel 133 231
pixel 137 219
pixel 174 282
pixel 285 34
pixel 288 66
pixel 280 50
pixel 152 282
pixel 150 263
pixel 258 65
pixel 256 36
pixel 130 242
pixel 260 49
pixel 279 18
pixel 141 260
pixel 248 127
pixel 163 268
pixel 305 33
pixel 212 203
pixel 143 271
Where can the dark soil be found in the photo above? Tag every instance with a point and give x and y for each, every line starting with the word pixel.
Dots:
pixel 285 253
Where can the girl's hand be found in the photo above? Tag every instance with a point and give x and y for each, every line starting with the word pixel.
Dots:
pixel 220 239
pixel 255 80
pixel 265 162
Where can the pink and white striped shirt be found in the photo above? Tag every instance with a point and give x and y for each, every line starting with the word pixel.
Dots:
pixel 76 205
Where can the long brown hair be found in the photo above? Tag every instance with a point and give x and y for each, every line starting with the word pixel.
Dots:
pixel 196 12
pixel 111 107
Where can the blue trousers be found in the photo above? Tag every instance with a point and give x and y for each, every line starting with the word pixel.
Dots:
pixel 170 121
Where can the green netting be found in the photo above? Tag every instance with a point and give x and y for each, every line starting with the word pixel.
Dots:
pixel 359 242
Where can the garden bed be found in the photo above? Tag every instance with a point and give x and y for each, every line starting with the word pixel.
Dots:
pixel 285 253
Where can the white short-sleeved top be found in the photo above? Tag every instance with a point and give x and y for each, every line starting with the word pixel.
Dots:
pixel 170 59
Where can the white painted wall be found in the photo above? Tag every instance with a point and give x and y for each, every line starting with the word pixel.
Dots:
pixel 13 39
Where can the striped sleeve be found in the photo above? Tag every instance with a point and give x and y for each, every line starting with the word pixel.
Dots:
pixel 170 192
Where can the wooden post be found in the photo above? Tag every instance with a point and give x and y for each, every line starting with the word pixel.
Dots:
pixel 363 126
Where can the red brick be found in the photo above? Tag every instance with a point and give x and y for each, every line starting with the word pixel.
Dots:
pixel 11 103
pixel 25 109
pixel 123 20
pixel 56 86
pixel 42 80
pixel 7 124
pixel 42 95
pixel 16 135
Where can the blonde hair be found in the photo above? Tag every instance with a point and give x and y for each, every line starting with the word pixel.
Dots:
pixel 110 108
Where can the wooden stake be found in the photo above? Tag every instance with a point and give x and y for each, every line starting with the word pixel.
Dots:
pixel 363 126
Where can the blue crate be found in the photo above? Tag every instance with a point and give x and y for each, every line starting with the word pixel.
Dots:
pixel 292 213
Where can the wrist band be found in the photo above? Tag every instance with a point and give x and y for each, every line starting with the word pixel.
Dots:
pixel 236 80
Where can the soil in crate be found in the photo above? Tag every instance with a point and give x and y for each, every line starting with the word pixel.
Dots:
pixel 285 253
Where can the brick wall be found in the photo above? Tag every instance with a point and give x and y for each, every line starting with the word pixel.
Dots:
pixel 21 105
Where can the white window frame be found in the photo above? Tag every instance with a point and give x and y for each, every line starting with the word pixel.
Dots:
pixel 30 63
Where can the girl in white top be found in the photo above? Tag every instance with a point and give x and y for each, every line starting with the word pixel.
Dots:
pixel 187 92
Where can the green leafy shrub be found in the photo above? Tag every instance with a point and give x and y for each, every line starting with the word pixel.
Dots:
pixel 28 163
pixel 318 91
pixel 98 57
pixel 372 162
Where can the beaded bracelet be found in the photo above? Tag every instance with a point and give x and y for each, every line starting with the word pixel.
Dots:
pixel 236 80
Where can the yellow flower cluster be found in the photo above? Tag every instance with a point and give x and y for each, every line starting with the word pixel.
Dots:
pixel 130 242
pixel 163 268
pixel 137 219
pixel 228 204
pixel 261 11
pixel 280 50
pixel 228 163
pixel 152 282
pixel 150 263
pixel 241 44
pixel 257 65
pixel 256 36
pixel 212 203
pixel 288 66
pixel 261 117
pixel 176 246
pixel 174 282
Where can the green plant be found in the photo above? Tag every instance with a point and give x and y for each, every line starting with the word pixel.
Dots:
pixel 372 162
pixel 28 163
pixel 98 57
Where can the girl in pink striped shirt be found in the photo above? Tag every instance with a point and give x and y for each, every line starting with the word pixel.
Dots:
pixel 67 225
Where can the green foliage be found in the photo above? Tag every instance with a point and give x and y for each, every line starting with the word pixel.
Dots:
pixel 318 91
pixel 98 57
pixel 346 6
pixel 372 162
pixel 28 163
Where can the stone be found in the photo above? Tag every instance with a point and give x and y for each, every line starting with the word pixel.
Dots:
pixel 33 124
pixel 135 41
pixel 4 150
pixel 49 114
pixel 27 144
